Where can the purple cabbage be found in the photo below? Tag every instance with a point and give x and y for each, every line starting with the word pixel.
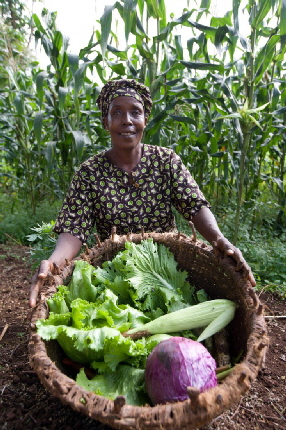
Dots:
pixel 175 364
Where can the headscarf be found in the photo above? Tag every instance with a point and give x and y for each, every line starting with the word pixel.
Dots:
pixel 124 87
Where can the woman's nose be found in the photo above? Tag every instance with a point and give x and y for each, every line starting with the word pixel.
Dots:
pixel 127 118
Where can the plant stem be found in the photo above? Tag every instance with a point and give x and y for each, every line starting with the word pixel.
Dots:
pixel 246 134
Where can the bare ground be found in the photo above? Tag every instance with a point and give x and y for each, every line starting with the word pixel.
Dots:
pixel 25 403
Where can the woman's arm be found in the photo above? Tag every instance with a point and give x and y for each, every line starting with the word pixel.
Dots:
pixel 205 222
pixel 67 247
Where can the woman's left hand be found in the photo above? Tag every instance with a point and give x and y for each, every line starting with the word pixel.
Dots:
pixel 222 244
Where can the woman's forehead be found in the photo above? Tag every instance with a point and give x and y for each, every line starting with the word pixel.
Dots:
pixel 125 101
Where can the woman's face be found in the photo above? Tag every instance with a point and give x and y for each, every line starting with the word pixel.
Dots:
pixel 125 122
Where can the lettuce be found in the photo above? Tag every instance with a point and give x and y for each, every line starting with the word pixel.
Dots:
pixel 88 316
pixel 146 275
pixel 127 381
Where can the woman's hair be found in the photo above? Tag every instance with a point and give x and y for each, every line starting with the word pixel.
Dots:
pixel 124 87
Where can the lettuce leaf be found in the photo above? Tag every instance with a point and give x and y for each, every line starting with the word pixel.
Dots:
pixel 58 302
pixel 81 285
pixel 105 312
pixel 112 275
pixel 127 381
pixel 156 281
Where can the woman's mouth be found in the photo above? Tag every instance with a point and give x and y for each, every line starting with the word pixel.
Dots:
pixel 127 134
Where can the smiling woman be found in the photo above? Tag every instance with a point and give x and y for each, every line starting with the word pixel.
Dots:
pixel 131 186
pixel 134 185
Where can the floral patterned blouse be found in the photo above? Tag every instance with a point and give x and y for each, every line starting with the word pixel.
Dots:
pixel 100 194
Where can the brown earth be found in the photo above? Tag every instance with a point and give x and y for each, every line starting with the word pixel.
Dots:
pixel 25 403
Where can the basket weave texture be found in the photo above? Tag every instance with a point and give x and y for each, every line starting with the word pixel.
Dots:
pixel 247 332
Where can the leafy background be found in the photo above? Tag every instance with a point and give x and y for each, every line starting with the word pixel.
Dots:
pixel 219 102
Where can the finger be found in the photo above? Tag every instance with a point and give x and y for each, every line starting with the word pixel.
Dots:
pixel 248 274
pixel 37 282
pixel 251 279
pixel 34 291
pixel 43 269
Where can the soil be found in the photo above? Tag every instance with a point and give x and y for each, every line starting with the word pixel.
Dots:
pixel 26 404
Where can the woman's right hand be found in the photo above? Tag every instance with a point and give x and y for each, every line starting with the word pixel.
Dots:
pixel 38 280
pixel 67 247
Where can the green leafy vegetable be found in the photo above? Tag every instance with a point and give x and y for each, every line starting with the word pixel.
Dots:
pixel 88 316
pixel 127 381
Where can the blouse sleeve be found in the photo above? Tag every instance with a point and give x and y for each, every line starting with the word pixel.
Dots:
pixel 187 197
pixel 76 214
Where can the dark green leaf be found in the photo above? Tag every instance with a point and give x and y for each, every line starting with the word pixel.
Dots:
pixel 19 104
pixel 263 8
pixel 163 18
pixel 57 43
pixel 79 78
pixel 235 9
pixel 38 122
pixel 40 86
pixel 105 22
pixel 220 36
pixel 282 23
pixel 120 54
pixel 79 143
pixel 38 23
pixel 184 119
pixel 217 154
pixel 210 31
pixel 143 48
pixel 265 57
pixel 279 111
pixel 203 66
pixel 204 7
pixel 50 152
pixel 117 68
pixel 156 120
pixel 153 8
pixel 141 28
pixel 63 91
pixel 179 47
pixel 129 16
pixel 73 60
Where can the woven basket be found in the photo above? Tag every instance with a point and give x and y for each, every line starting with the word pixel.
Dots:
pixel 247 333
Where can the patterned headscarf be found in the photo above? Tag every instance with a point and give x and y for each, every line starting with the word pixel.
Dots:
pixel 124 87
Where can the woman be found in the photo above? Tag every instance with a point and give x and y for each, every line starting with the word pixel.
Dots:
pixel 130 186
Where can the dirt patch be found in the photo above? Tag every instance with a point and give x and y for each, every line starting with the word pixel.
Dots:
pixel 25 403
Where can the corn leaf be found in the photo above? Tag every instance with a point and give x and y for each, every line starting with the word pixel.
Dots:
pixel 105 22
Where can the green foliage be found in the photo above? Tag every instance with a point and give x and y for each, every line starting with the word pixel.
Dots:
pixel 16 221
pixel 263 249
pixel 42 242
pixel 219 96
